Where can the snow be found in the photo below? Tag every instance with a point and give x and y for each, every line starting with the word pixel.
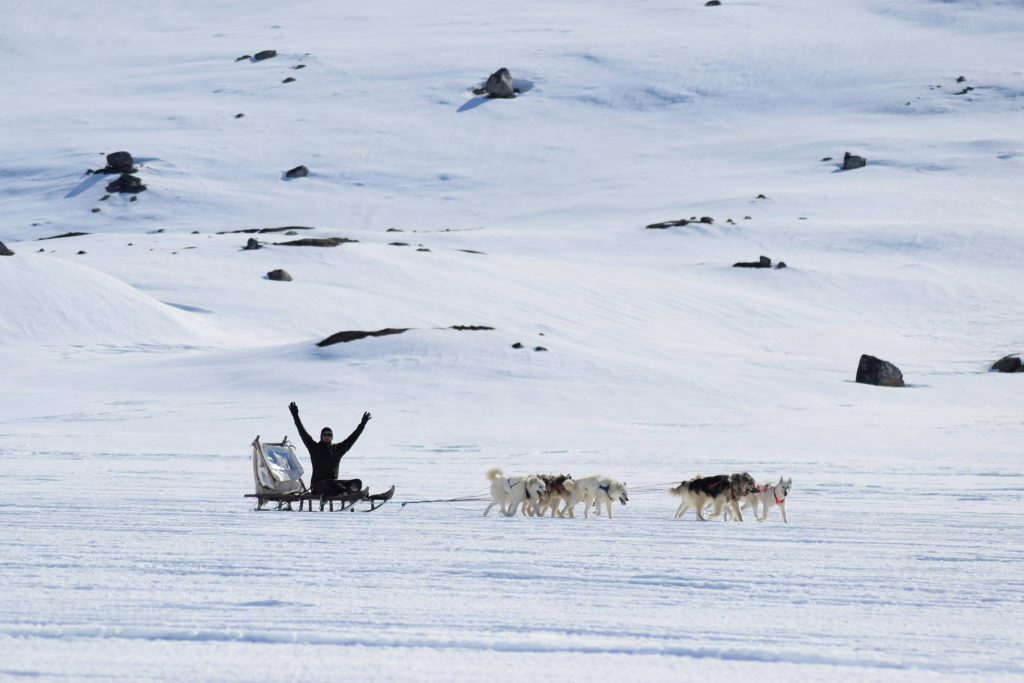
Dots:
pixel 136 374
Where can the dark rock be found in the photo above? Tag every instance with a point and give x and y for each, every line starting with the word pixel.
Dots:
pixel 81 252
pixel 470 251
pixel 394 230
pixel 517 345
pixel 264 54
pixel 291 232
pixel 470 328
pixel 1011 363
pixel 297 172
pixel 761 262
pixel 288 229
pixel 134 199
pixel 119 162
pixel 353 335
pixel 66 234
pixel 239 115
pixel 780 265
pixel 499 84
pixel 539 348
pixel 127 184
pixel 243 57
pixel 252 245
pixel 279 275
pixel 104 197
pixel 4 251
pixel 730 221
pixel 826 158
pixel 852 161
pixel 422 249
pixel 316 242
pixel 299 66
pixel 398 244
pixel 96 210
pixel 41 250
pixel 707 220
pixel 288 80
pixel 961 79
pixel 195 232
pixel 713 3
pixel 668 224
pixel 876 371
pixel 760 196
pixel 964 91
pixel 747 218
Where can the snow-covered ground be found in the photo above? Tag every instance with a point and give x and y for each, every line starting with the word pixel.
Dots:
pixel 136 374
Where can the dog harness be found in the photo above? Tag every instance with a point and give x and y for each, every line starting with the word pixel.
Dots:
pixel 523 482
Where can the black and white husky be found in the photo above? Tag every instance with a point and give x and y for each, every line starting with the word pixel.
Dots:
pixel 508 493
pixel 768 496
pixel 719 491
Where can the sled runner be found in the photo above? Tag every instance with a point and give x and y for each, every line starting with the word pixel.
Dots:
pixel 278 476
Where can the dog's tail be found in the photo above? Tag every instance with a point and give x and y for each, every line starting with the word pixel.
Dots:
pixel 678 490
pixel 495 473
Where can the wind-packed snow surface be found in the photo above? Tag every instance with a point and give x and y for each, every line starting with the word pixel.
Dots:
pixel 136 374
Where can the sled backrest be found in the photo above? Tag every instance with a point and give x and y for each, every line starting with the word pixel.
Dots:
pixel 276 468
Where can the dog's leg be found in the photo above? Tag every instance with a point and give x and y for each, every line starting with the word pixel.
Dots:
pixel 736 511
pixel 681 510
pixel 609 509
pixel 782 509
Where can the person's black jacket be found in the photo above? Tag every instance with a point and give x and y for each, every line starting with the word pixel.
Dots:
pixel 325 457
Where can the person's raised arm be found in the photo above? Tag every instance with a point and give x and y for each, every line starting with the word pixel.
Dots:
pixel 342 448
pixel 303 434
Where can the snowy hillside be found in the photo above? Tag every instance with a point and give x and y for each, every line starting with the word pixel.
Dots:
pixel 142 357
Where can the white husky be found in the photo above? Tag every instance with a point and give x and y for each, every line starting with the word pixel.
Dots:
pixel 770 495
pixel 509 492
pixel 595 491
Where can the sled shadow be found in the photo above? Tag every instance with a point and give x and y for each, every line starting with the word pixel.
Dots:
pixel 85 185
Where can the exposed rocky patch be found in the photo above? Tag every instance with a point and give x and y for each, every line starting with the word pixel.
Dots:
pixel 470 328
pixel 251 231
pixel 264 54
pixel 517 345
pixel 119 162
pixel 289 80
pixel 761 262
pixel 4 251
pixel 66 234
pixel 713 3
pixel 539 348
pixel 704 220
pixel 353 335
pixel 316 242
pixel 1011 363
pixel 279 275
pixel 297 172
pixel 398 244
pixel 879 372
pixel 252 244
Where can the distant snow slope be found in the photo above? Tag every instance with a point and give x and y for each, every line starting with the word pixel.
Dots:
pixel 135 374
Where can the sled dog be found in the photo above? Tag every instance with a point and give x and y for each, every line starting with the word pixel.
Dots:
pixel 508 493
pixel 595 491
pixel 719 491
pixel 556 492
pixel 769 495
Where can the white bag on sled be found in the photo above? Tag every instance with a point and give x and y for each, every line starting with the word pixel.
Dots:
pixel 276 468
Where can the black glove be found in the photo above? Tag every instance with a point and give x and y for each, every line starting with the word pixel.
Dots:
pixel 366 417
pixel 294 408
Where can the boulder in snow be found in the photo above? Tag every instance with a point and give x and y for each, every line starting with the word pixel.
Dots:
pixel 499 84
pixel 264 54
pixel 1011 363
pixel 4 251
pixel 120 162
pixel 127 183
pixel 852 161
pixel 316 242
pixel 297 172
pixel 251 245
pixel 876 371
pixel 713 3
pixel 279 275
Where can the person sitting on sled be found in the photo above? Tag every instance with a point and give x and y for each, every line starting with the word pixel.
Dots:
pixel 326 456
